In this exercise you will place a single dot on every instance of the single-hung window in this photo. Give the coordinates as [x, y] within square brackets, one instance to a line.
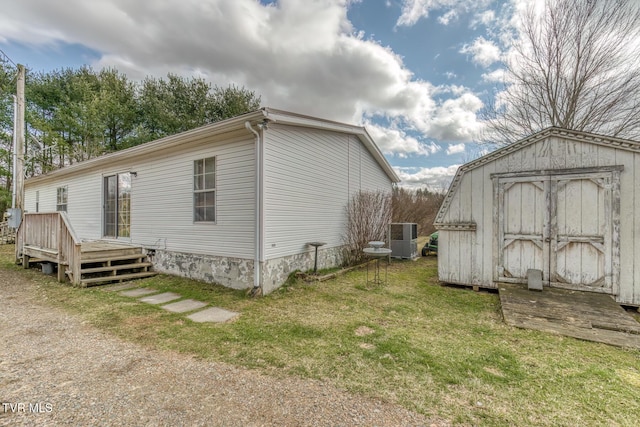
[61, 199]
[204, 190]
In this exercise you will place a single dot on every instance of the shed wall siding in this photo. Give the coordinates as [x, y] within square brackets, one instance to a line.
[474, 198]
[309, 177]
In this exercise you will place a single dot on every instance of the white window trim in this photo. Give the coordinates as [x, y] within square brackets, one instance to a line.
[66, 202]
[206, 190]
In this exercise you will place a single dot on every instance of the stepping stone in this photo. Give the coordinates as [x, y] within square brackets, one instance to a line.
[118, 287]
[160, 298]
[213, 314]
[184, 306]
[138, 292]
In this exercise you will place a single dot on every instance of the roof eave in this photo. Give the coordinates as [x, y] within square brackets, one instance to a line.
[167, 142]
[228, 125]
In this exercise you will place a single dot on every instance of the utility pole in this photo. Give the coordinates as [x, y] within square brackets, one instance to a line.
[17, 199]
[19, 130]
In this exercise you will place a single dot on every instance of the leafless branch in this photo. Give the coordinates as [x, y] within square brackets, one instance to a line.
[368, 218]
[573, 66]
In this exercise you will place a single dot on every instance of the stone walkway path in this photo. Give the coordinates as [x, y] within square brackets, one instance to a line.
[173, 302]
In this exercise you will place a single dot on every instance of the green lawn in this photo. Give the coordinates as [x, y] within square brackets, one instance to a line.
[441, 351]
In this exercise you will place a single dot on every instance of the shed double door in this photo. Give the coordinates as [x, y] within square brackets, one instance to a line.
[560, 224]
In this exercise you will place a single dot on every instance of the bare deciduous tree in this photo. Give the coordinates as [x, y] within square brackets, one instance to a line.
[573, 65]
[368, 218]
[417, 206]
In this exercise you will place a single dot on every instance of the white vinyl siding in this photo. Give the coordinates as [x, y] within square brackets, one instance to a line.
[309, 177]
[83, 201]
[162, 198]
[162, 201]
[372, 177]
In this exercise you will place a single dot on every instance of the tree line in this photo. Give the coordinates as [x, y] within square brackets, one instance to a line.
[76, 114]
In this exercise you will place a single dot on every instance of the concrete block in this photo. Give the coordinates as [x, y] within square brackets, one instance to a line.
[138, 292]
[160, 298]
[534, 279]
[184, 306]
[213, 314]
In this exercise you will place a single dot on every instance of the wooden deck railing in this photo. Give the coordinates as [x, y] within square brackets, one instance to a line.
[49, 236]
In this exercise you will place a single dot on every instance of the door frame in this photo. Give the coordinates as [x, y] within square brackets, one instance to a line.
[117, 205]
[611, 174]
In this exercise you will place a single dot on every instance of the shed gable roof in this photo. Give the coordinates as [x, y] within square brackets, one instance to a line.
[228, 125]
[572, 135]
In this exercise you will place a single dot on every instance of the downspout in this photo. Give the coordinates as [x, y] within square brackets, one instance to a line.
[258, 230]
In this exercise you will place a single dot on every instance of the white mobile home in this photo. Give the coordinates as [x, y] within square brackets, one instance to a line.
[563, 202]
[234, 202]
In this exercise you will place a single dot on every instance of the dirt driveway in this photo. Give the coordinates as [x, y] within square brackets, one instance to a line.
[55, 370]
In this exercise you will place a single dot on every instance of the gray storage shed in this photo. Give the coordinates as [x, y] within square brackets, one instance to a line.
[561, 201]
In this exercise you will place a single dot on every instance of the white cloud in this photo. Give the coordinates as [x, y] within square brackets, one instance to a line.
[448, 17]
[456, 119]
[437, 178]
[396, 142]
[495, 76]
[483, 52]
[298, 55]
[485, 18]
[414, 10]
[455, 149]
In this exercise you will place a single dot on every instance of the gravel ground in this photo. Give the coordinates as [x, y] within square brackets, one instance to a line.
[55, 370]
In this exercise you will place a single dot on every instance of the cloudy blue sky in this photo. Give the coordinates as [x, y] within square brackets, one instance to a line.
[416, 73]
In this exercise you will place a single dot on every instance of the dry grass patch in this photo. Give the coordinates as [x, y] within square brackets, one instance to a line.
[364, 331]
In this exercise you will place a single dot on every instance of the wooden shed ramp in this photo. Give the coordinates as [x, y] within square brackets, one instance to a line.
[584, 315]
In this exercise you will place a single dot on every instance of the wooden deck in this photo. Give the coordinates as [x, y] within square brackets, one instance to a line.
[47, 237]
[100, 262]
[584, 315]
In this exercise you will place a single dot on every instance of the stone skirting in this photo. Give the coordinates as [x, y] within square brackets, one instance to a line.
[276, 271]
[237, 273]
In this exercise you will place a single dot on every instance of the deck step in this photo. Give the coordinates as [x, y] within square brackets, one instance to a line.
[110, 253]
[113, 258]
[123, 277]
[115, 267]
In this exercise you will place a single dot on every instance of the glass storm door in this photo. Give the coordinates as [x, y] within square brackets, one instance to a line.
[117, 205]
